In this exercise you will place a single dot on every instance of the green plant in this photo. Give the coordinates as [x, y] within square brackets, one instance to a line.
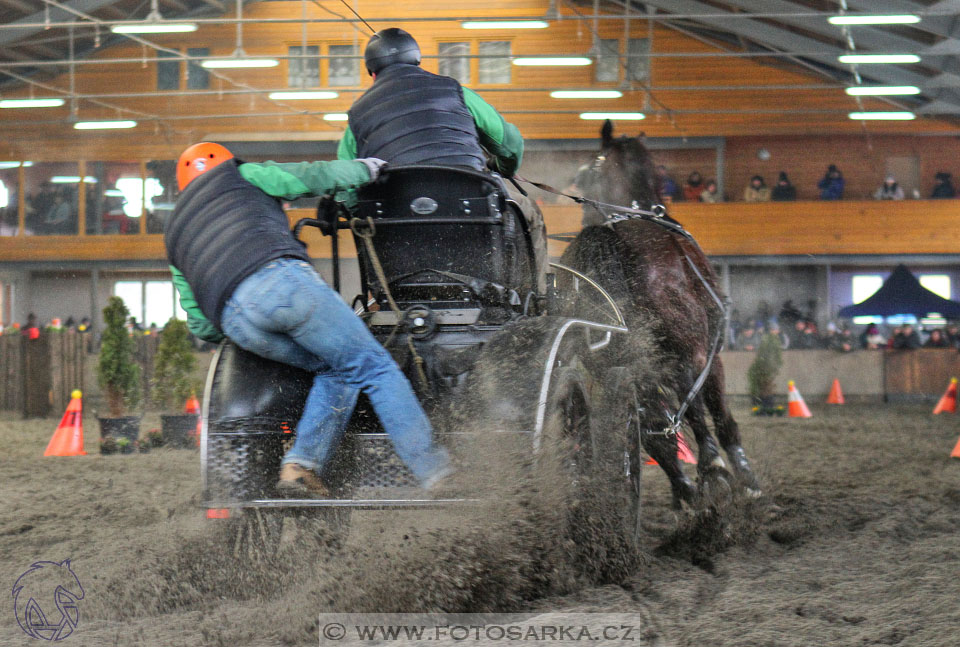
[173, 365]
[117, 371]
[155, 438]
[762, 374]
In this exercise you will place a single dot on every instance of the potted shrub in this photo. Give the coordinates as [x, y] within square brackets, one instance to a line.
[172, 383]
[762, 375]
[118, 374]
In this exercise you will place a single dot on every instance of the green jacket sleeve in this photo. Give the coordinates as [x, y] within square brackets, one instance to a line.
[347, 148]
[499, 137]
[197, 324]
[301, 179]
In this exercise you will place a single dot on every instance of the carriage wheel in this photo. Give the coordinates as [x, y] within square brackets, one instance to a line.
[569, 428]
[622, 433]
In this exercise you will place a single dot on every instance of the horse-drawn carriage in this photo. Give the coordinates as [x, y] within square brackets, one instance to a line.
[447, 283]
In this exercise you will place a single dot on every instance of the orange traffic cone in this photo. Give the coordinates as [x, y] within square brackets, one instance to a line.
[193, 406]
[836, 393]
[956, 450]
[68, 438]
[684, 453]
[948, 403]
[796, 407]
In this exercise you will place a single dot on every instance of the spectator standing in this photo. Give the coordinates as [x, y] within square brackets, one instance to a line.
[871, 338]
[953, 334]
[711, 193]
[668, 188]
[889, 190]
[757, 190]
[748, 339]
[937, 340]
[831, 186]
[943, 187]
[784, 191]
[908, 339]
[843, 341]
[694, 187]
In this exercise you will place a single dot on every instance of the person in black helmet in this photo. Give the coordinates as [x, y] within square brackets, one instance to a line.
[411, 116]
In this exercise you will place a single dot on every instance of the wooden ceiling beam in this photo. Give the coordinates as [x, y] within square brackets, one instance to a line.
[20, 5]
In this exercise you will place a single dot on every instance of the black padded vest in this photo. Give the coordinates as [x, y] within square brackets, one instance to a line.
[222, 230]
[411, 116]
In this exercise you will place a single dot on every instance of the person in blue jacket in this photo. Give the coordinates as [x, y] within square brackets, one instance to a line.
[241, 273]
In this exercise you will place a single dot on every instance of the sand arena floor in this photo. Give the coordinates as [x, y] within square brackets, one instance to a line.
[856, 542]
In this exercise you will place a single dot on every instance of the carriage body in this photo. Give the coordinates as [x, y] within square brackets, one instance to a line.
[453, 252]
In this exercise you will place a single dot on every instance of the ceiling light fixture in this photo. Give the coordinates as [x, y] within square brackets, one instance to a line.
[8, 165]
[103, 125]
[586, 94]
[882, 116]
[613, 116]
[306, 94]
[504, 24]
[882, 90]
[336, 116]
[153, 24]
[238, 59]
[72, 179]
[31, 103]
[905, 19]
[879, 58]
[552, 60]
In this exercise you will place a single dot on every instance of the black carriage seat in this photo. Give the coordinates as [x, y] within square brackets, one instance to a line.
[440, 229]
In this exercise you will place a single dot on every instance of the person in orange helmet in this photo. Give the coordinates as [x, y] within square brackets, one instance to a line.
[242, 274]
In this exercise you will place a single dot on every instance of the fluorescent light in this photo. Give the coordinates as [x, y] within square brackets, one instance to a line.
[72, 179]
[883, 116]
[114, 193]
[586, 94]
[8, 165]
[552, 60]
[882, 90]
[906, 19]
[99, 125]
[613, 116]
[336, 116]
[879, 58]
[154, 28]
[313, 94]
[31, 103]
[504, 24]
[237, 62]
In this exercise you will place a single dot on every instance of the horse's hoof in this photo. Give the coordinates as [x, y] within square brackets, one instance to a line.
[753, 493]
[715, 486]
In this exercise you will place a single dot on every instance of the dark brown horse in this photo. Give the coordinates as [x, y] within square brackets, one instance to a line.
[662, 280]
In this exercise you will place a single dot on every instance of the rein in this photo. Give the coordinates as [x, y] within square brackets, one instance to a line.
[613, 213]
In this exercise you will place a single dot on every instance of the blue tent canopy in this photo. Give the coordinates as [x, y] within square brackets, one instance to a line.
[902, 294]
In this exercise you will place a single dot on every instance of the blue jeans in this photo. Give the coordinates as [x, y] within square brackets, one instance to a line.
[285, 312]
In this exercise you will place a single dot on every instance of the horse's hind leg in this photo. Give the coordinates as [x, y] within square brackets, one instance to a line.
[663, 449]
[728, 432]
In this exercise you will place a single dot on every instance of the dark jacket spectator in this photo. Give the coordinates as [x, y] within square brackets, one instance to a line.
[694, 187]
[889, 190]
[843, 341]
[784, 191]
[831, 186]
[943, 187]
[907, 339]
[871, 338]
[757, 190]
[748, 339]
[953, 335]
[937, 340]
[711, 193]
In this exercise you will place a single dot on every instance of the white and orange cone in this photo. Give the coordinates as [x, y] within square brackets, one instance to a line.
[796, 407]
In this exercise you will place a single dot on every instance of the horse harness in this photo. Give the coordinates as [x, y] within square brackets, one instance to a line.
[612, 214]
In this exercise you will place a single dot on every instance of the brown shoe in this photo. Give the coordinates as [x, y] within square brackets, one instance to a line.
[298, 480]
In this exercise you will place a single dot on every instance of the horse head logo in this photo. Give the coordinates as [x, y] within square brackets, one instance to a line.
[55, 586]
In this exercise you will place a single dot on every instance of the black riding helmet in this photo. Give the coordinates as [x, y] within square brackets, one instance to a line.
[389, 46]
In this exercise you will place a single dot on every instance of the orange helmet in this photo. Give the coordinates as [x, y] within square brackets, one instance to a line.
[198, 159]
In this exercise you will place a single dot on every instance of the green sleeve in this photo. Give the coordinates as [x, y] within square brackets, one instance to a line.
[347, 149]
[499, 137]
[197, 324]
[299, 179]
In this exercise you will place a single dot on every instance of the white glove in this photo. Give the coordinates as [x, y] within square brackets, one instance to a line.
[374, 165]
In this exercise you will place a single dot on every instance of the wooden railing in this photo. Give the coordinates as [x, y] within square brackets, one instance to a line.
[730, 229]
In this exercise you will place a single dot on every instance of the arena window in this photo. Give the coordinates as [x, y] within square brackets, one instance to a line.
[939, 284]
[607, 68]
[494, 66]
[638, 61]
[303, 72]
[168, 72]
[344, 67]
[454, 61]
[198, 78]
[149, 302]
